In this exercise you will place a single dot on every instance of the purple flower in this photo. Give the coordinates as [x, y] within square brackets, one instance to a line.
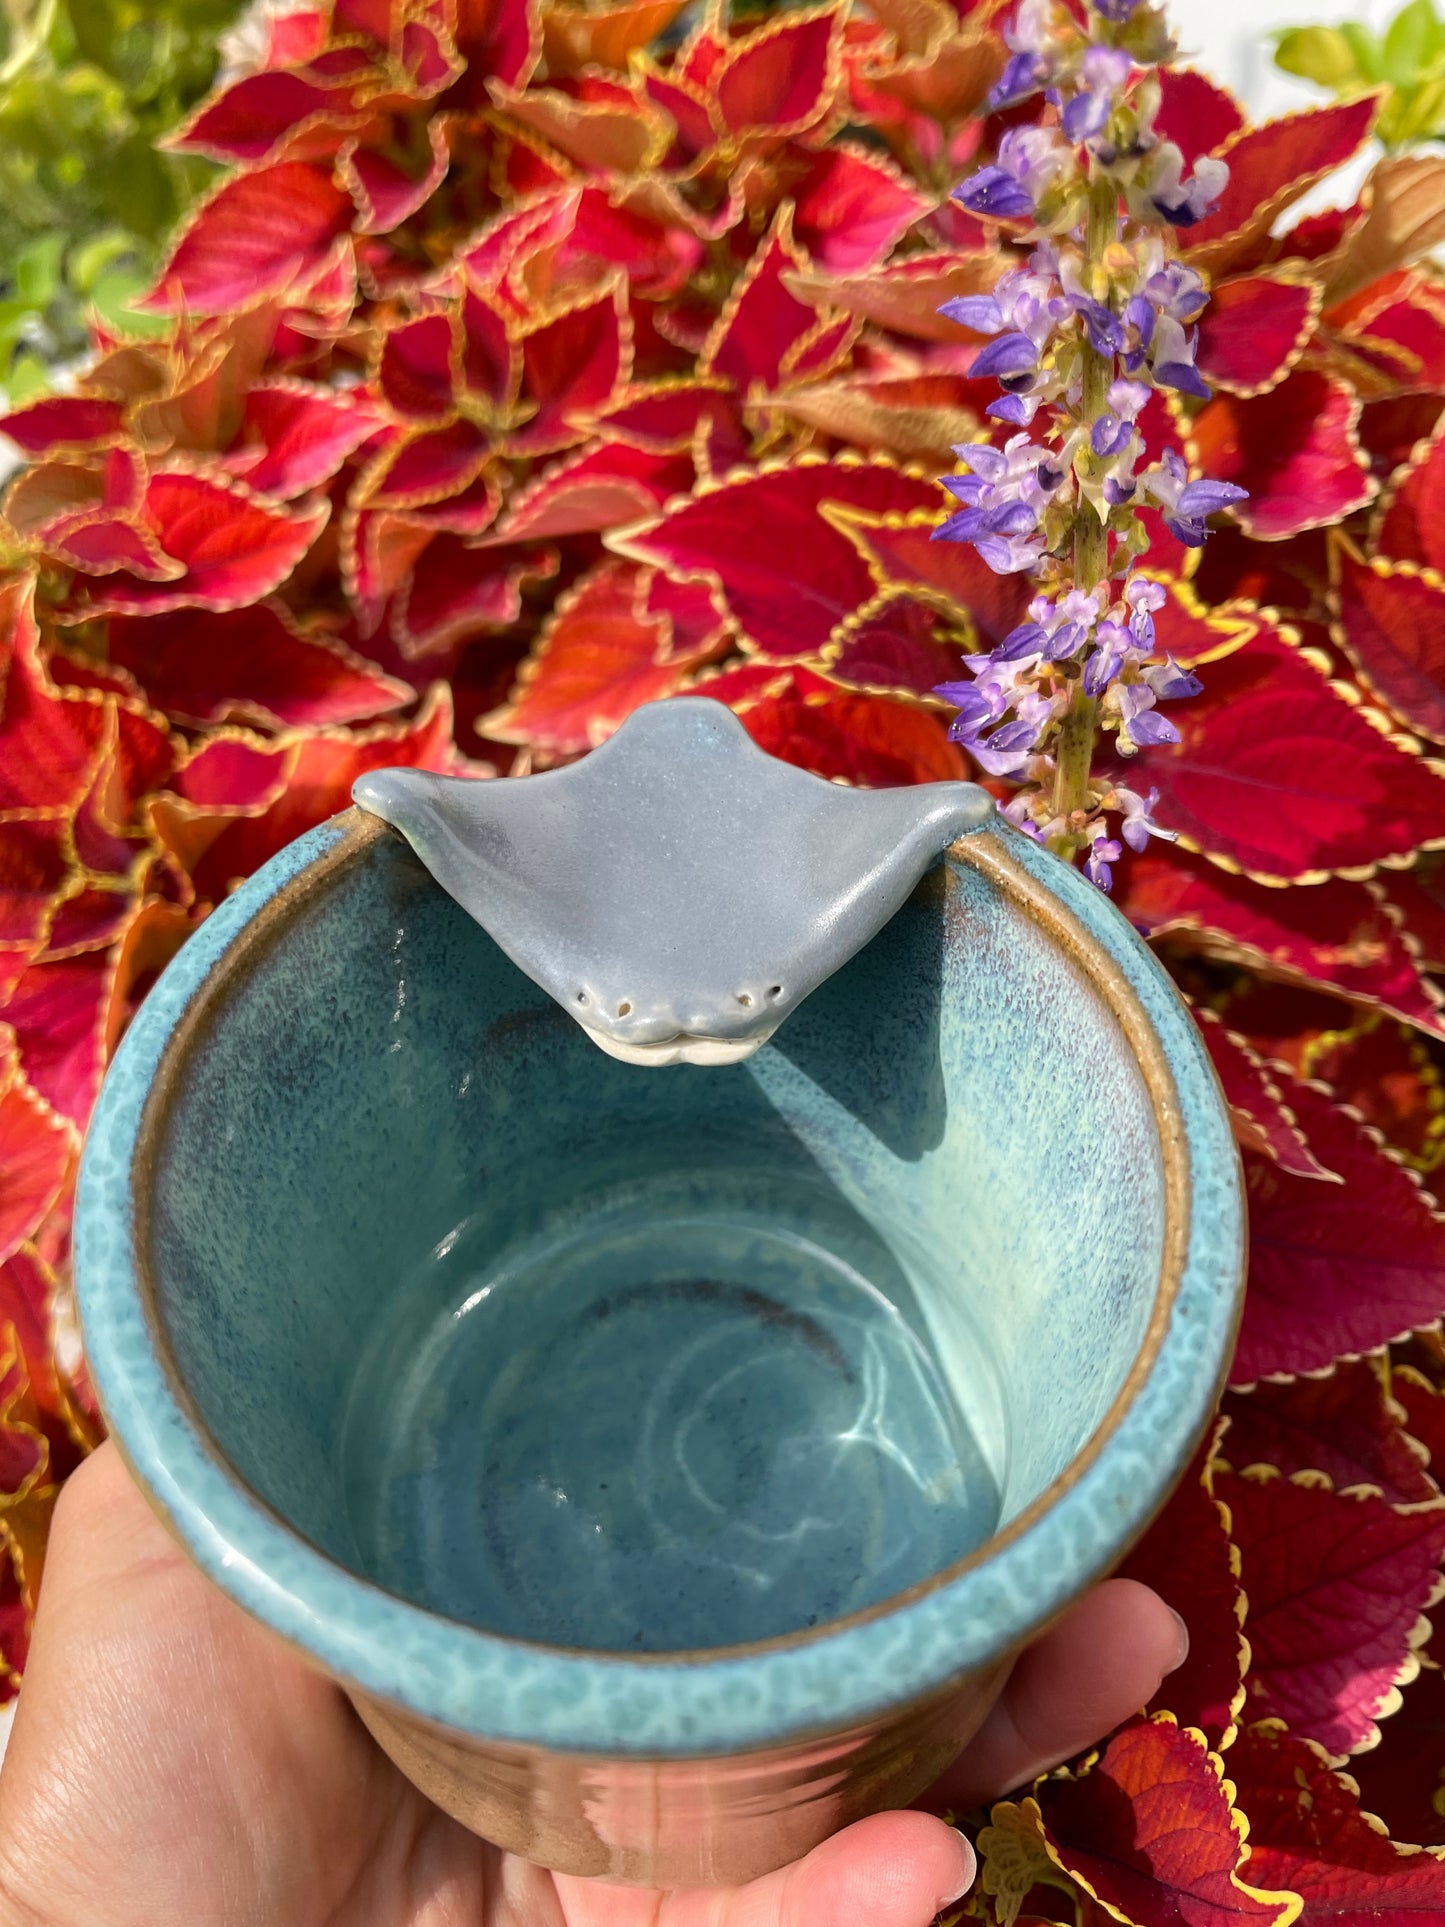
[1006, 355]
[1106, 337]
[1187, 505]
[1172, 359]
[1103, 852]
[1024, 75]
[1134, 703]
[1138, 823]
[1114, 644]
[1102, 74]
[993, 190]
[1169, 682]
[1029, 158]
[1177, 291]
[1017, 409]
[1116, 10]
[1142, 598]
[1184, 202]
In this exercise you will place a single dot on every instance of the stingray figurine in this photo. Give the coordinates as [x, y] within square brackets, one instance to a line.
[678, 891]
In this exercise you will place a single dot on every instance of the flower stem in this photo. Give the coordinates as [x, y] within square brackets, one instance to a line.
[1075, 753]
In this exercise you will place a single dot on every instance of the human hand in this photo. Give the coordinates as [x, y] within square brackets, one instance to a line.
[173, 1764]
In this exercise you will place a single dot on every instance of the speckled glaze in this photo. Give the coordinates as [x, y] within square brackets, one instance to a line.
[341, 1069]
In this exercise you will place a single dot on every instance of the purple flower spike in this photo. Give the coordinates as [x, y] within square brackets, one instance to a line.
[1106, 337]
[1010, 354]
[980, 312]
[1023, 75]
[1150, 729]
[993, 190]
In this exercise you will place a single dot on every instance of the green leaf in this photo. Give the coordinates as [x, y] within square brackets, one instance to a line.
[1364, 47]
[1320, 54]
[36, 269]
[1411, 43]
[90, 259]
[28, 378]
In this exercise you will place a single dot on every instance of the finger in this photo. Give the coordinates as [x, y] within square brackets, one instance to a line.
[894, 1870]
[1103, 1660]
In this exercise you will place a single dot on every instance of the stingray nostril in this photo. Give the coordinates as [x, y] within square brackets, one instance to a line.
[775, 990]
[581, 996]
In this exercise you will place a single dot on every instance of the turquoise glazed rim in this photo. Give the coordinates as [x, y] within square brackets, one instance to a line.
[733, 1699]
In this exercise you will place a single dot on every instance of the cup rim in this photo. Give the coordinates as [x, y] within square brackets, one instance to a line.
[678, 1704]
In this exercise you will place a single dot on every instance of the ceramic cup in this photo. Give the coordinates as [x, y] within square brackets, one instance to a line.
[668, 1463]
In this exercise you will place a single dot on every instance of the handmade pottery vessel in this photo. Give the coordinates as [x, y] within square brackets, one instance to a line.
[668, 1464]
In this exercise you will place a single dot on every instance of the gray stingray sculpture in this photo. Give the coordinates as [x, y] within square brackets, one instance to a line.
[678, 891]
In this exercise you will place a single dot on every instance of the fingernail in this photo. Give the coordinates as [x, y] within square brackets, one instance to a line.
[967, 1868]
[1183, 1640]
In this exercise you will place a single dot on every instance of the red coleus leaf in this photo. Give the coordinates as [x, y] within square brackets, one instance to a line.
[837, 733]
[33, 869]
[59, 1013]
[784, 572]
[1336, 1583]
[1307, 1832]
[233, 547]
[900, 553]
[1345, 1425]
[36, 1151]
[1187, 1557]
[852, 207]
[252, 119]
[1263, 1121]
[1401, 340]
[1255, 329]
[1410, 521]
[1402, 1784]
[604, 36]
[601, 653]
[906, 296]
[240, 800]
[1270, 166]
[600, 488]
[254, 664]
[1334, 1270]
[1195, 112]
[254, 235]
[1419, 896]
[1390, 622]
[895, 645]
[782, 76]
[455, 591]
[1390, 1075]
[1423, 1410]
[574, 365]
[1295, 449]
[384, 192]
[1148, 1831]
[295, 435]
[62, 422]
[761, 320]
[47, 739]
[1336, 934]
[1257, 779]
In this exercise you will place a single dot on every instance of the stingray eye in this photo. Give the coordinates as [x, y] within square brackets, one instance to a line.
[624, 1009]
[581, 996]
[745, 999]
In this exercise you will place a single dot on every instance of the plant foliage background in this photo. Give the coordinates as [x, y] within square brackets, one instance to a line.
[529, 360]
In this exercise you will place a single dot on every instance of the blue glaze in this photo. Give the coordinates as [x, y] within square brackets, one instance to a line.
[952, 1121]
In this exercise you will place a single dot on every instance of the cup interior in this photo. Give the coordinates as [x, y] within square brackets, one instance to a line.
[647, 1360]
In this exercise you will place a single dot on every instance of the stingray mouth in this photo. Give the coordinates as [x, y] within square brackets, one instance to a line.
[685, 1047]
